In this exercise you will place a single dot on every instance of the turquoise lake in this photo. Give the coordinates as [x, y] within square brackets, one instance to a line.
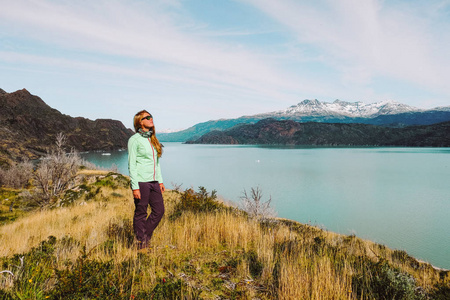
[399, 197]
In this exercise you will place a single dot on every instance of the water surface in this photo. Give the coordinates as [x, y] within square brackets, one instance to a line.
[399, 197]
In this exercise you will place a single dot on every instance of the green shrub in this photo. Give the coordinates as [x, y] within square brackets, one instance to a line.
[216, 283]
[113, 180]
[441, 292]
[286, 247]
[10, 201]
[200, 201]
[319, 245]
[93, 279]
[255, 266]
[268, 225]
[107, 182]
[8, 194]
[4, 295]
[233, 263]
[403, 257]
[33, 271]
[92, 193]
[169, 289]
[71, 196]
[381, 281]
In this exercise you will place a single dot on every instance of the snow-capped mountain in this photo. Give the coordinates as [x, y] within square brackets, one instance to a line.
[338, 108]
[384, 113]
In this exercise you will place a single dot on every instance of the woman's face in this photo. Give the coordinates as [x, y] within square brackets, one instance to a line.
[147, 121]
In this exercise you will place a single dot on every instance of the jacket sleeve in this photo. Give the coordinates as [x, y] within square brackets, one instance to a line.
[159, 177]
[132, 163]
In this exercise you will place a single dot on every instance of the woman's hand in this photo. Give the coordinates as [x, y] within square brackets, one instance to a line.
[163, 188]
[136, 194]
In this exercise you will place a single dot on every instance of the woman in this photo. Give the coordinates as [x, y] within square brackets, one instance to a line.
[144, 152]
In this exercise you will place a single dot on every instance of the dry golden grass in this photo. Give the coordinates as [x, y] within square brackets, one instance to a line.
[85, 222]
[93, 172]
[298, 261]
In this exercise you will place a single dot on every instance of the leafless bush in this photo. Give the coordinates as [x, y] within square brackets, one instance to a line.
[114, 168]
[17, 176]
[255, 207]
[55, 173]
[176, 186]
[88, 165]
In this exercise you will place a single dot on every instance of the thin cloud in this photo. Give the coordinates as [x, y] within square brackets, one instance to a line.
[371, 37]
[140, 32]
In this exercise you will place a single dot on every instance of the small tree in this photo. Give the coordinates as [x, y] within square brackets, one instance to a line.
[255, 207]
[56, 172]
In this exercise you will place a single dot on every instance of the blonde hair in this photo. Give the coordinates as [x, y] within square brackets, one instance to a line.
[137, 122]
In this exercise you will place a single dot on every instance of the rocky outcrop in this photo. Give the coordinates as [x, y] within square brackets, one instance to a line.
[28, 128]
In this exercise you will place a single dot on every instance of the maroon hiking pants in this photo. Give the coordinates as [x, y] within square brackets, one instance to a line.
[144, 226]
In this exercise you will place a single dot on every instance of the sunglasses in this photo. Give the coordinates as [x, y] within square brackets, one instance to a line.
[147, 117]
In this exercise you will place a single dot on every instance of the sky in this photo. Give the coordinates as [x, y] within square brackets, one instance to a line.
[190, 61]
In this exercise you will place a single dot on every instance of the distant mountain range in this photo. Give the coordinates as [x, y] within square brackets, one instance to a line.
[288, 132]
[28, 127]
[385, 113]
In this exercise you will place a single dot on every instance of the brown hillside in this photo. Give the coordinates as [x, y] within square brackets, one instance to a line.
[28, 127]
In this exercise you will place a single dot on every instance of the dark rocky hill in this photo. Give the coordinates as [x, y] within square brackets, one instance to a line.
[288, 132]
[28, 127]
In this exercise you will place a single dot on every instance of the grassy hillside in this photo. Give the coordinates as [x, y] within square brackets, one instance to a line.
[202, 249]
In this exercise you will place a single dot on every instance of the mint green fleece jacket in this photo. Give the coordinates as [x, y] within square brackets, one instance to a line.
[143, 161]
